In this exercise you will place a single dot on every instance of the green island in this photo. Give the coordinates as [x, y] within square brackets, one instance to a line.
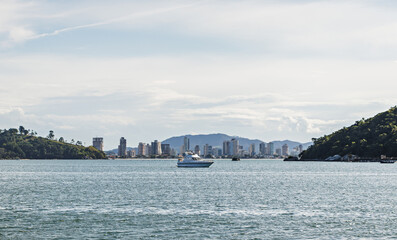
[366, 139]
[25, 144]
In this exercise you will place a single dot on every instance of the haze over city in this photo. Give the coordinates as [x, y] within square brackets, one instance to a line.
[268, 70]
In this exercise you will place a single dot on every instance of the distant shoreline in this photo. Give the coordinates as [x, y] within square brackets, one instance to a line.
[323, 160]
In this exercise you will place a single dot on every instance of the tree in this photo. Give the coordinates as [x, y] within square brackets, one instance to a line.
[79, 143]
[13, 131]
[21, 130]
[51, 135]
[61, 140]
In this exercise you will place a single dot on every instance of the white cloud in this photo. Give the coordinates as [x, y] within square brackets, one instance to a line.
[292, 70]
[331, 27]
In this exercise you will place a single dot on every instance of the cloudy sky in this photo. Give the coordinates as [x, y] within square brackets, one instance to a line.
[146, 70]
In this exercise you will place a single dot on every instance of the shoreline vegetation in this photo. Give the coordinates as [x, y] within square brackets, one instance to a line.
[25, 144]
[368, 140]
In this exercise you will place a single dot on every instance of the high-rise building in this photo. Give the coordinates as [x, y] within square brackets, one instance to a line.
[182, 150]
[131, 153]
[186, 144]
[166, 149]
[284, 150]
[216, 152]
[252, 150]
[97, 142]
[262, 148]
[197, 150]
[156, 148]
[227, 148]
[123, 148]
[219, 152]
[148, 150]
[235, 147]
[270, 148]
[278, 151]
[141, 149]
[207, 150]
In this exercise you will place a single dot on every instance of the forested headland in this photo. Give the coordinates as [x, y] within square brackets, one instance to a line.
[25, 144]
[367, 138]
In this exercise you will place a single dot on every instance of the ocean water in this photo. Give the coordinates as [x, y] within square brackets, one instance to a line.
[152, 199]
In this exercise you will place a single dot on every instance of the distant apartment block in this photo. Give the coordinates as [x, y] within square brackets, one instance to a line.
[262, 148]
[285, 150]
[207, 150]
[278, 151]
[156, 148]
[97, 142]
[173, 152]
[122, 148]
[131, 153]
[217, 152]
[197, 150]
[141, 149]
[227, 148]
[252, 150]
[186, 144]
[182, 150]
[270, 148]
[166, 149]
[235, 147]
[148, 150]
[231, 147]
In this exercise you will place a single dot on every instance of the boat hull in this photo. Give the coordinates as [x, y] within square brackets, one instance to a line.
[388, 161]
[194, 164]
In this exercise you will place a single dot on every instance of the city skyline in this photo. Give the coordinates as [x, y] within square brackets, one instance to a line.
[149, 70]
[227, 148]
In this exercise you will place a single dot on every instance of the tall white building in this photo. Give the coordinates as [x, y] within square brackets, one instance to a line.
[148, 150]
[141, 149]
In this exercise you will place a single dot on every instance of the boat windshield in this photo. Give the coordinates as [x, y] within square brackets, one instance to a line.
[195, 158]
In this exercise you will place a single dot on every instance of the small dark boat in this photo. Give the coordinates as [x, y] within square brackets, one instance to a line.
[387, 161]
[235, 159]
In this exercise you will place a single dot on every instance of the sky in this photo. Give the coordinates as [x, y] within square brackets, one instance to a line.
[146, 70]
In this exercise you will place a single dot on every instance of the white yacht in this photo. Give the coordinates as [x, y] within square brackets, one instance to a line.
[193, 161]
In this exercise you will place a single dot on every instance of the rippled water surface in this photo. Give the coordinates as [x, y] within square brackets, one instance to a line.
[250, 199]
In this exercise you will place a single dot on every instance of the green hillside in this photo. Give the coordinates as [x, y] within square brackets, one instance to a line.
[366, 138]
[24, 144]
